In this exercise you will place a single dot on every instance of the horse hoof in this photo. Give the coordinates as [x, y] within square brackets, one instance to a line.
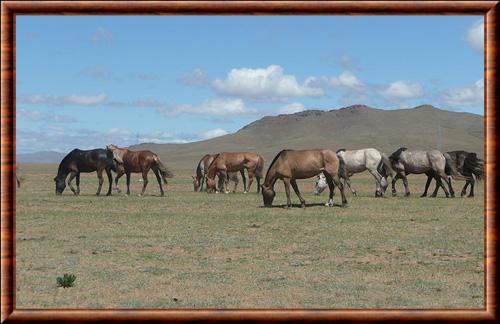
[303, 205]
[422, 196]
[227, 192]
[108, 194]
[394, 194]
[407, 194]
[355, 194]
[245, 192]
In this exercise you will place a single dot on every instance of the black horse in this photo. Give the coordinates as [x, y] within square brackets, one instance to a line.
[465, 163]
[84, 161]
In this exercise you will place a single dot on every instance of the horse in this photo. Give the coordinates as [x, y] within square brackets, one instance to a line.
[233, 162]
[290, 165]
[358, 161]
[432, 163]
[462, 162]
[139, 162]
[78, 161]
[201, 171]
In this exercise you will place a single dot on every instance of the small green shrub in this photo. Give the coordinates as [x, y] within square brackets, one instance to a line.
[67, 280]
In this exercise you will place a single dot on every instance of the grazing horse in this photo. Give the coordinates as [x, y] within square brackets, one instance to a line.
[358, 161]
[462, 162]
[406, 162]
[233, 162]
[78, 161]
[202, 169]
[290, 165]
[139, 162]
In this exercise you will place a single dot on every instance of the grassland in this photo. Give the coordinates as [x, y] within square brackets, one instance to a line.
[195, 250]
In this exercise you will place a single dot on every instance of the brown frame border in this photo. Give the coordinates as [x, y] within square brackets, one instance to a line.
[9, 9]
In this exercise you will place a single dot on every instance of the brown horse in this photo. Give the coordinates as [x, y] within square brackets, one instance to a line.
[138, 161]
[290, 165]
[233, 162]
[201, 171]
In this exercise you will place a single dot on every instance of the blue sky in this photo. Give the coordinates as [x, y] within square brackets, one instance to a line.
[86, 81]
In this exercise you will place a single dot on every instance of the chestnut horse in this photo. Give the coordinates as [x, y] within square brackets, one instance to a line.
[290, 165]
[201, 171]
[233, 162]
[138, 161]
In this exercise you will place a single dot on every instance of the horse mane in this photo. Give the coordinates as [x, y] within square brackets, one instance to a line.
[66, 159]
[340, 150]
[395, 156]
[274, 160]
[215, 158]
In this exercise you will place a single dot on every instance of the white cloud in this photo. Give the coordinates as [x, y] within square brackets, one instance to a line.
[97, 72]
[144, 76]
[81, 100]
[214, 133]
[345, 80]
[268, 83]
[196, 77]
[398, 90]
[475, 35]
[467, 96]
[101, 34]
[40, 116]
[218, 107]
[292, 108]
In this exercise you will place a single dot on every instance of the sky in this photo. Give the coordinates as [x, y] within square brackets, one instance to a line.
[87, 81]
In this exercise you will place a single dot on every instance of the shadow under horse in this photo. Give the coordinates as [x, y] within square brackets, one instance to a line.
[78, 161]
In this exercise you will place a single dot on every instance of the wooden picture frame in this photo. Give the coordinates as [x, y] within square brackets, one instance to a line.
[11, 9]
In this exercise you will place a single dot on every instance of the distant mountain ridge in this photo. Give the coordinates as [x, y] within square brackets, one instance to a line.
[354, 127]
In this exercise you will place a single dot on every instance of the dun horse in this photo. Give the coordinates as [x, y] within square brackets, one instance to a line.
[139, 162]
[358, 161]
[233, 162]
[201, 172]
[431, 163]
[462, 162]
[290, 165]
[78, 161]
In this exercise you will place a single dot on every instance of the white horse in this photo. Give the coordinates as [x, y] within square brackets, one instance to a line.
[358, 161]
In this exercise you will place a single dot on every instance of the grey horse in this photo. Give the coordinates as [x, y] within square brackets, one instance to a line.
[432, 163]
[357, 161]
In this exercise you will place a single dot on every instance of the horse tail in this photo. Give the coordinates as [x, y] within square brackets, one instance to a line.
[260, 167]
[474, 165]
[110, 160]
[385, 167]
[451, 170]
[165, 173]
[343, 173]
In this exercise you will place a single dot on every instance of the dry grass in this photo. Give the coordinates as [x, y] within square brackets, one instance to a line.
[191, 249]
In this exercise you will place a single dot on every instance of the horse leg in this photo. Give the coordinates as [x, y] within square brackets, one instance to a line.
[286, 182]
[297, 192]
[464, 189]
[393, 183]
[331, 188]
[101, 181]
[250, 180]
[471, 194]
[128, 183]
[202, 181]
[71, 177]
[427, 184]
[258, 183]
[347, 181]
[144, 181]
[405, 182]
[443, 176]
[158, 178]
[378, 182]
[77, 183]
[244, 180]
[235, 180]
[118, 176]
[110, 180]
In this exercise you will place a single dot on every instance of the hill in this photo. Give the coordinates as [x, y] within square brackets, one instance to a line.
[423, 127]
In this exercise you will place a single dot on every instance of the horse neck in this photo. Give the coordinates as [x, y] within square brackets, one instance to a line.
[62, 171]
[271, 176]
[211, 171]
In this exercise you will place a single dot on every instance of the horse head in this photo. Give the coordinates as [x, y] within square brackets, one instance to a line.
[210, 184]
[196, 183]
[268, 194]
[320, 184]
[60, 185]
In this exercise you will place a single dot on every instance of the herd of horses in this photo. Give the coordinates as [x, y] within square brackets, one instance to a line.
[331, 169]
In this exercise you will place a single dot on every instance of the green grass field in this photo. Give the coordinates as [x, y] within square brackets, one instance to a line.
[195, 250]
